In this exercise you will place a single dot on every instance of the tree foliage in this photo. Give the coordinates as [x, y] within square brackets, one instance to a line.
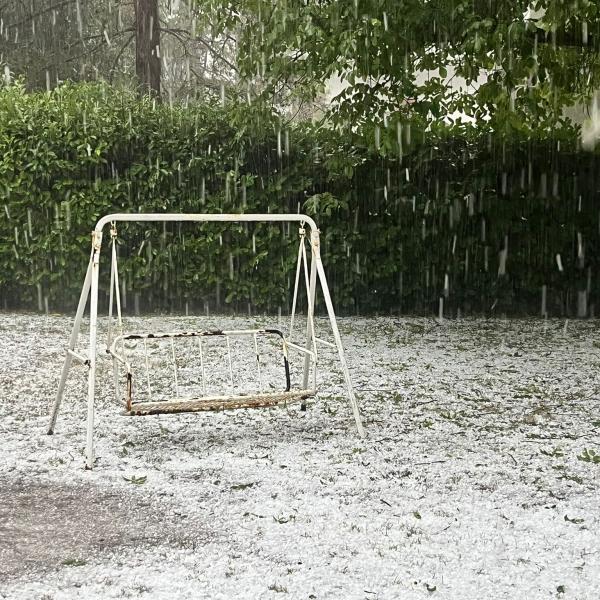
[513, 63]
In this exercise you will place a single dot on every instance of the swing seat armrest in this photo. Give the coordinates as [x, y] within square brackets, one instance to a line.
[301, 349]
[112, 350]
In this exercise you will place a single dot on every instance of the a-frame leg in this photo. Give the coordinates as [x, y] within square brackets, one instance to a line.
[95, 267]
[114, 296]
[337, 338]
[85, 291]
[310, 326]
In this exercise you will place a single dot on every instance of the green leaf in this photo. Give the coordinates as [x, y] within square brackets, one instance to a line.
[74, 562]
[136, 480]
[590, 456]
[575, 520]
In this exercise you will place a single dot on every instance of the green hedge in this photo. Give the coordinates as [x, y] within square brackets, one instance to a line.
[82, 151]
[393, 227]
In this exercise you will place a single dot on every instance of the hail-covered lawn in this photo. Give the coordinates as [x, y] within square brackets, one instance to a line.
[479, 476]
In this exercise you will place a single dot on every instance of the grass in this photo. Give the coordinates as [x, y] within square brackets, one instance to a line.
[74, 562]
[589, 456]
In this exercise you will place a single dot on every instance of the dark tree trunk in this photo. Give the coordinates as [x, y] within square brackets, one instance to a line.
[147, 46]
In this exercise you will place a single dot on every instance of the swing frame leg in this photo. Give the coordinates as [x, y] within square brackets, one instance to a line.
[114, 297]
[85, 290]
[312, 289]
[316, 267]
[340, 348]
[95, 268]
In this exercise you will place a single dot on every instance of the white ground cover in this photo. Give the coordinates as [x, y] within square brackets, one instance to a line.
[476, 480]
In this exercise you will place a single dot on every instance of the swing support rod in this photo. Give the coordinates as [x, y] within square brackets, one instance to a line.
[90, 289]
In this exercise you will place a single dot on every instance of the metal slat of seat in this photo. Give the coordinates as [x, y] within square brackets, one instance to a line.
[217, 403]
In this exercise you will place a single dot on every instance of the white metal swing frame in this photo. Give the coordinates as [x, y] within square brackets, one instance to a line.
[90, 290]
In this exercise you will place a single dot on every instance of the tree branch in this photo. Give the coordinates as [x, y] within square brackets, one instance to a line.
[179, 33]
[119, 54]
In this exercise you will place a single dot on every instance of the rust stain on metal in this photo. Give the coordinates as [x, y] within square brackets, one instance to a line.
[219, 403]
[204, 333]
[129, 390]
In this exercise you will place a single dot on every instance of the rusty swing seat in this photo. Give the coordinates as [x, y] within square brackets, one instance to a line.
[181, 404]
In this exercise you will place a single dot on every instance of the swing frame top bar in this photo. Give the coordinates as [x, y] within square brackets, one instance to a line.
[208, 218]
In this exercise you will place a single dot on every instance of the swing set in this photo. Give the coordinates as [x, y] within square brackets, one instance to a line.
[199, 400]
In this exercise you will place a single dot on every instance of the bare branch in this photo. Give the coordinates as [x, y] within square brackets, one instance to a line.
[180, 33]
[119, 54]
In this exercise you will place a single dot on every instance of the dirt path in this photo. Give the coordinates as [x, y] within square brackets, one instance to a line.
[46, 526]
